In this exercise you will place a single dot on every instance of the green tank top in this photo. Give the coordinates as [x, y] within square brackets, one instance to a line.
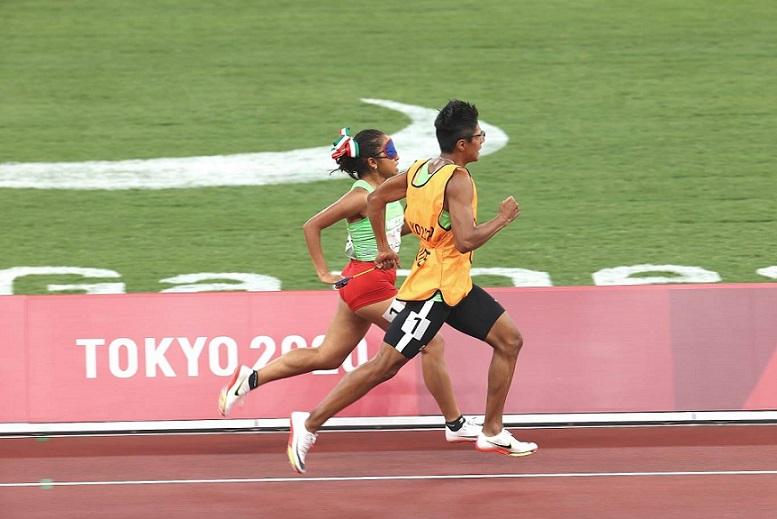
[361, 244]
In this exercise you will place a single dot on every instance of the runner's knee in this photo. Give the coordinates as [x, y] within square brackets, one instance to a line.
[328, 360]
[435, 347]
[389, 373]
[515, 342]
[509, 343]
[385, 366]
[331, 363]
[389, 369]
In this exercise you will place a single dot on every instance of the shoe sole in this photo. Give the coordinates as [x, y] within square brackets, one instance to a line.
[292, 462]
[505, 452]
[461, 439]
[291, 453]
[222, 402]
[222, 405]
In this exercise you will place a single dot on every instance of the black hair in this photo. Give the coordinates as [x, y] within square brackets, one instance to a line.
[370, 145]
[457, 120]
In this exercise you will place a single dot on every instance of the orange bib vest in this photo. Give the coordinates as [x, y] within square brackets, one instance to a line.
[438, 266]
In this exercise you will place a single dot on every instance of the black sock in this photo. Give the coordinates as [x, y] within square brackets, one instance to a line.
[253, 380]
[456, 424]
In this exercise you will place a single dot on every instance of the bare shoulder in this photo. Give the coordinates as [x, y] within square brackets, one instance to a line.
[460, 178]
[461, 170]
[459, 188]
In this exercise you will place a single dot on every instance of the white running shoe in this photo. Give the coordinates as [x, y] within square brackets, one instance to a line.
[468, 433]
[505, 443]
[236, 389]
[300, 441]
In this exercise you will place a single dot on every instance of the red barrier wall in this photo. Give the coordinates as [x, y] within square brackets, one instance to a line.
[13, 365]
[587, 349]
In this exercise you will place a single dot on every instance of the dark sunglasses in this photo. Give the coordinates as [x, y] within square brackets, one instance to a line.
[389, 150]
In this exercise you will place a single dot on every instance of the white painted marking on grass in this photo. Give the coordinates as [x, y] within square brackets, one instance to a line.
[768, 272]
[246, 169]
[302, 479]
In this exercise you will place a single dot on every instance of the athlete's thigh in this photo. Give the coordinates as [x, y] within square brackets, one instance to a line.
[344, 332]
[476, 314]
[415, 325]
[377, 313]
[504, 329]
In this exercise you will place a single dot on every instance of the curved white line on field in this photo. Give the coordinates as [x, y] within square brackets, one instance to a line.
[246, 169]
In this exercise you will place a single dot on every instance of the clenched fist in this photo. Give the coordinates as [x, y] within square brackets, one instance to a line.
[509, 209]
[386, 259]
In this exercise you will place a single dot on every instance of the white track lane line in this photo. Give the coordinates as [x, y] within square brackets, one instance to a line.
[50, 483]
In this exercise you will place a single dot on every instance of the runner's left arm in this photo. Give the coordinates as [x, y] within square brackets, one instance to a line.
[391, 190]
[349, 205]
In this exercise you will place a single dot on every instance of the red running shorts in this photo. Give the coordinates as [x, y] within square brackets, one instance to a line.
[372, 287]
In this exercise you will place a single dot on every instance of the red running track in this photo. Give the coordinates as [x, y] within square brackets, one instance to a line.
[637, 472]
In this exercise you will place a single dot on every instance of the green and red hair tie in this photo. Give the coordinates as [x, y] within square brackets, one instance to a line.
[345, 145]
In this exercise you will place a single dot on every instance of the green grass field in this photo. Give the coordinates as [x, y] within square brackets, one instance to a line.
[639, 132]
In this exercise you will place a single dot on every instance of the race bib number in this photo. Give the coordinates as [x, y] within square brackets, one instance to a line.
[393, 310]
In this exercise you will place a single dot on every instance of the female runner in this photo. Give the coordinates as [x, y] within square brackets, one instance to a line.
[366, 293]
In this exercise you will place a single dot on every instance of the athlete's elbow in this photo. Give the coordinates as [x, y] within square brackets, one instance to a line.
[463, 245]
[310, 227]
[374, 200]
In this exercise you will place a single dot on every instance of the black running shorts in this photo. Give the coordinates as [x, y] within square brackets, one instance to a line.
[414, 323]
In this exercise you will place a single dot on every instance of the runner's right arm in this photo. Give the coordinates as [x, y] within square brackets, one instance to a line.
[467, 234]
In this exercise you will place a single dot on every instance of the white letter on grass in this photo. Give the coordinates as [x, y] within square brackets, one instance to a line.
[685, 274]
[8, 276]
[246, 282]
